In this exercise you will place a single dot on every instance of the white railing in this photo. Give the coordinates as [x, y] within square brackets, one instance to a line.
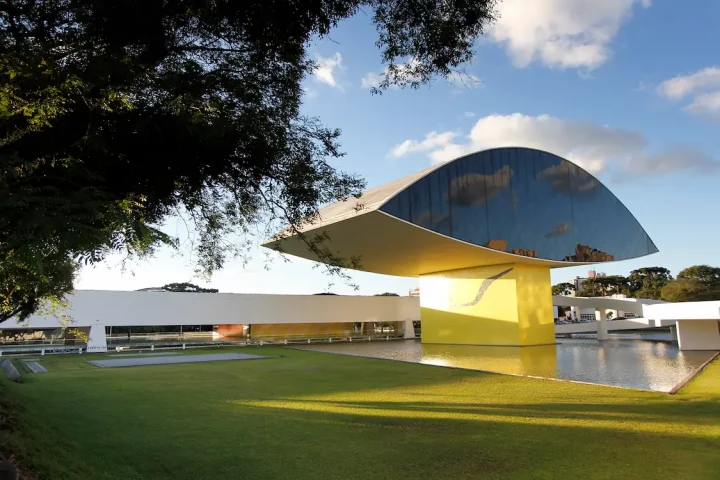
[167, 343]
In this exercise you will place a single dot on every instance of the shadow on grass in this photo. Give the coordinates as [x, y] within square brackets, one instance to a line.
[697, 413]
[515, 446]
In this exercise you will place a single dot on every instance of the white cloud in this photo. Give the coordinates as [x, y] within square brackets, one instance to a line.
[678, 87]
[560, 33]
[673, 159]
[594, 147]
[327, 69]
[468, 114]
[706, 103]
[371, 80]
[702, 86]
[432, 141]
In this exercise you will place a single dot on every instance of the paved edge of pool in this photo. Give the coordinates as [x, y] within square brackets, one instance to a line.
[174, 360]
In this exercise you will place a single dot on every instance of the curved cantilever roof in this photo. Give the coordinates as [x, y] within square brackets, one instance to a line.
[505, 205]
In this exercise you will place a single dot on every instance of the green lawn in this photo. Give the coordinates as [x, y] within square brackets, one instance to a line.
[306, 415]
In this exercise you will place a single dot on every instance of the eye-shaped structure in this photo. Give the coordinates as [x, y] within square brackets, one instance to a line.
[498, 206]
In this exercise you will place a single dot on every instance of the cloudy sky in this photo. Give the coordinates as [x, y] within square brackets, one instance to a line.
[627, 89]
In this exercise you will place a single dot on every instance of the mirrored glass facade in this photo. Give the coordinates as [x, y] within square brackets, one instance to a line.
[526, 202]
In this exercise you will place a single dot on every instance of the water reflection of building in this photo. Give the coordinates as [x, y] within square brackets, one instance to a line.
[539, 361]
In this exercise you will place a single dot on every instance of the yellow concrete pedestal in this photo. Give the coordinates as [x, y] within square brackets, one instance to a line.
[496, 305]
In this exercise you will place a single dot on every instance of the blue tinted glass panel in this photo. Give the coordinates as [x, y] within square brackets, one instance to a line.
[526, 202]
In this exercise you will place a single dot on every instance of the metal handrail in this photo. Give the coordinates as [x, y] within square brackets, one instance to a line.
[180, 344]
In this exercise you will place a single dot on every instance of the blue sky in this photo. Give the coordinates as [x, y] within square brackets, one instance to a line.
[628, 89]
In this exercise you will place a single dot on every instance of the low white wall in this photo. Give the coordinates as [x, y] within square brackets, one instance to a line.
[631, 305]
[612, 325]
[116, 308]
[683, 311]
[698, 335]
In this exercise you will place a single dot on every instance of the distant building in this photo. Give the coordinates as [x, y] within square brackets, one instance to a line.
[578, 282]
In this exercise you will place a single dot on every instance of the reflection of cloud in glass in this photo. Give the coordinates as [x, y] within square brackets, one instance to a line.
[475, 189]
[557, 230]
[562, 180]
[426, 218]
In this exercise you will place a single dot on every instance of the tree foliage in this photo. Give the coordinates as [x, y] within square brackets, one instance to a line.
[648, 282]
[641, 283]
[187, 287]
[705, 274]
[683, 290]
[694, 284]
[25, 287]
[563, 289]
[387, 294]
[604, 286]
[116, 114]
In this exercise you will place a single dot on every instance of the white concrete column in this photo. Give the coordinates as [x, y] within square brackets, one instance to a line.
[409, 329]
[698, 334]
[97, 343]
[602, 325]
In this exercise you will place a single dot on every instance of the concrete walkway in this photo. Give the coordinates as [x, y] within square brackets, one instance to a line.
[137, 362]
[155, 354]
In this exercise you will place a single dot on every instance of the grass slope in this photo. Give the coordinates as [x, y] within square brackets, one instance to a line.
[306, 415]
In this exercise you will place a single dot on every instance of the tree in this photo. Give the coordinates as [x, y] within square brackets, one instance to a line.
[563, 289]
[116, 114]
[604, 286]
[615, 285]
[387, 294]
[648, 282]
[591, 287]
[187, 287]
[694, 284]
[705, 274]
[25, 287]
[683, 290]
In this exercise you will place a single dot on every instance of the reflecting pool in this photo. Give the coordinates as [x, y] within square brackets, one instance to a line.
[643, 364]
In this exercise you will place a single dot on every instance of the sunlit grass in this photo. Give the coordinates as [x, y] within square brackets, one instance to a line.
[304, 415]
